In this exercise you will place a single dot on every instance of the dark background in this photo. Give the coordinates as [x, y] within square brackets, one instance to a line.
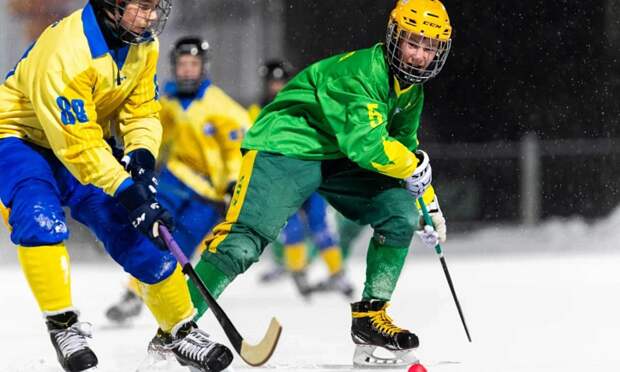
[529, 65]
[518, 67]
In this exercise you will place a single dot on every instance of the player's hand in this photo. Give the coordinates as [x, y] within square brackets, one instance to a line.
[432, 235]
[422, 176]
[145, 213]
[140, 164]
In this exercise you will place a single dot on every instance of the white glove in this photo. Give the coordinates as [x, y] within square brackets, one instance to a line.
[422, 176]
[431, 235]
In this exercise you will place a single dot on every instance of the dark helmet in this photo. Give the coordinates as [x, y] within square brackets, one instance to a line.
[112, 12]
[275, 70]
[194, 46]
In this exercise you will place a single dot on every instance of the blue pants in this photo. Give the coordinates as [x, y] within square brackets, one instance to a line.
[194, 216]
[311, 219]
[35, 186]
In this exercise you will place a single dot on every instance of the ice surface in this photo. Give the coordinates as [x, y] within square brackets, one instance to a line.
[551, 302]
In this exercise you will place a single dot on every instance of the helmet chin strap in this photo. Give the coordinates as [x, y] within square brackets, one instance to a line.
[109, 27]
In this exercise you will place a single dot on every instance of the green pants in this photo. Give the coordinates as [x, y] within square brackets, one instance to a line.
[272, 187]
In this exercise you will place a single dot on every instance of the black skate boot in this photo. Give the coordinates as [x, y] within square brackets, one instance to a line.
[129, 307]
[337, 282]
[272, 274]
[372, 328]
[161, 345]
[301, 283]
[159, 355]
[69, 339]
[193, 348]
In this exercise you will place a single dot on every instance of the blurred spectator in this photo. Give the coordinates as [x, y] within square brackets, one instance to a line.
[38, 14]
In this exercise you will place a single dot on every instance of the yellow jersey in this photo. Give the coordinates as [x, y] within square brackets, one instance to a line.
[70, 92]
[202, 137]
[254, 110]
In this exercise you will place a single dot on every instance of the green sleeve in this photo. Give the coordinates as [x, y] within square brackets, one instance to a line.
[406, 126]
[358, 118]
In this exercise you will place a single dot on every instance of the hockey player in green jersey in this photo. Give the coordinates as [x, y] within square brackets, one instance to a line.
[346, 127]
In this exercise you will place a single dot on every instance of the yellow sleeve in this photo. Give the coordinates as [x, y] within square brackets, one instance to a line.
[139, 116]
[232, 121]
[254, 111]
[61, 94]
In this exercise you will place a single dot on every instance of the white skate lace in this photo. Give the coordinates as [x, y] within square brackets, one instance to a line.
[73, 339]
[196, 345]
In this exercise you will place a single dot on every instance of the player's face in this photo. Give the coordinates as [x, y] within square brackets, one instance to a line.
[188, 67]
[275, 86]
[140, 15]
[417, 51]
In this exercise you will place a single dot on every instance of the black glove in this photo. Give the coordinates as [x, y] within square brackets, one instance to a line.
[140, 164]
[145, 213]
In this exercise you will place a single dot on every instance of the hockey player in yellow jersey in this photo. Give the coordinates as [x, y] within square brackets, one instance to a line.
[203, 129]
[87, 77]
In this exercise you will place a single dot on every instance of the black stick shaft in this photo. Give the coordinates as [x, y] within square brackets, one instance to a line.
[233, 335]
[428, 221]
[456, 300]
[229, 328]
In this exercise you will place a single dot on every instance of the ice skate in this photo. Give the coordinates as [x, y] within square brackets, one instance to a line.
[272, 274]
[375, 335]
[337, 282]
[193, 348]
[69, 339]
[301, 283]
[160, 347]
[129, 307]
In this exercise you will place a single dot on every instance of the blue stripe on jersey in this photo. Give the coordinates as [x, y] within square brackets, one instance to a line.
[96, 42]
[170, 89]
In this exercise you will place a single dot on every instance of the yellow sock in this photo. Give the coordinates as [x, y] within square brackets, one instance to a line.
[332, 257]
[47, 271]
[134, 286]
[168, 300]
[295, 257]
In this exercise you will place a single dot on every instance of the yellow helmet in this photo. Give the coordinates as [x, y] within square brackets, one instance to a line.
[423, 24]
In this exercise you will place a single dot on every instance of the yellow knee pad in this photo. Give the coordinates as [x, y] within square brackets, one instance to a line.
[295, 257]
[47, 271]
[168, 300]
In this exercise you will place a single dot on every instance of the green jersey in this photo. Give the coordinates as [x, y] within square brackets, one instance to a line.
[347, 105]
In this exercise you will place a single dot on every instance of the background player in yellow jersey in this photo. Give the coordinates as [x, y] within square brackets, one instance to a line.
[87, 76]
[313, 220]
[203, 129]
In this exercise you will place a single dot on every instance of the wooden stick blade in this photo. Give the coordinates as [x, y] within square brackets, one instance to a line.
[259, 354]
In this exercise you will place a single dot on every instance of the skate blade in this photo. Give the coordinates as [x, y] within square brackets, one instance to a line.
[155, 362]
[366, 356]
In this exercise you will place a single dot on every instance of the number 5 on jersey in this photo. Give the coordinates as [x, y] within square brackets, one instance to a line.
[71, 110]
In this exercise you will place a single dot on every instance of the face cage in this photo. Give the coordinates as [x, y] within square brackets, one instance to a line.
[406, 73]
[163, 9]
